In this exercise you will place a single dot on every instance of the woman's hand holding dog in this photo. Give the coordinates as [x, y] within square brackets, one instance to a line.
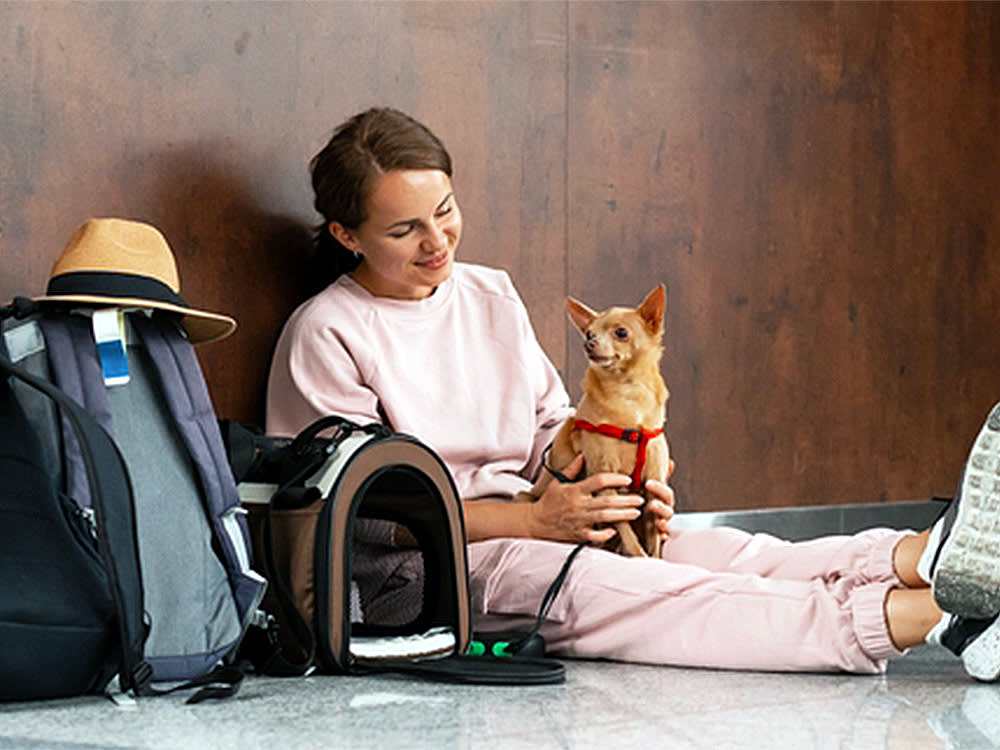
[569, 511]
[662, 505]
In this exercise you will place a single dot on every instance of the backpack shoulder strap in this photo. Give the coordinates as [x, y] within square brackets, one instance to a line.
[111, 500]
[190, 405]
[76, 370]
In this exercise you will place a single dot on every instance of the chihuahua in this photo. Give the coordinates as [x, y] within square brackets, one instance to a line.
[618, 426]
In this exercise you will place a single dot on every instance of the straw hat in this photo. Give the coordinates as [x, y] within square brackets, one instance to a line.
[121, 263]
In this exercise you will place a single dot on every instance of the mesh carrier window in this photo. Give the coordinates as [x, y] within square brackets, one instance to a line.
[400, 556]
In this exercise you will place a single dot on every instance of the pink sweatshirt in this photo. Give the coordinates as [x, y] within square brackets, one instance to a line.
[461, 371]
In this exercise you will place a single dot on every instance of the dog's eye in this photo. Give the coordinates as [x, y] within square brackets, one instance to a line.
[589, 335]
[621, 333]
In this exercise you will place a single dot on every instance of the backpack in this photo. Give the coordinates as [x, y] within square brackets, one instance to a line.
[362, 538]
[123, 532]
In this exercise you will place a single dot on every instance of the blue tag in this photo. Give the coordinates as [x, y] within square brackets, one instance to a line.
[114, 362]
[109, 334]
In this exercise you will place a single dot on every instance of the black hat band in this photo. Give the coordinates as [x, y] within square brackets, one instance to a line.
[104, 284]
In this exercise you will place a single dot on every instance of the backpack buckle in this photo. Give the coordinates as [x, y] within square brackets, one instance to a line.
[141, 675]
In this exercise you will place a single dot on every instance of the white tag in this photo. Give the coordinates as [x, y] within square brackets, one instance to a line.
[109, 335]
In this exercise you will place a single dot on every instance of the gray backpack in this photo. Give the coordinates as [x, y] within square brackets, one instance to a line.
[199, 591]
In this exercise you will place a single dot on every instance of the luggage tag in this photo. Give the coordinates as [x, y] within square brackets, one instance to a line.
[109, 335]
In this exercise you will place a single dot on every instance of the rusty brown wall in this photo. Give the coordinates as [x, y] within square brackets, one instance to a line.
[814, 182]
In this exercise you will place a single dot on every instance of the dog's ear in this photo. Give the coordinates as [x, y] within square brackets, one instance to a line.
[651, 309]
[581, 315]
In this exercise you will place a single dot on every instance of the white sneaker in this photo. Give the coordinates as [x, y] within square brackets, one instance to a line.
[977, 643]
[963, 553]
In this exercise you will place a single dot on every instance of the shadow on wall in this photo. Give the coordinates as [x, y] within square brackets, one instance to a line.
[235, 256]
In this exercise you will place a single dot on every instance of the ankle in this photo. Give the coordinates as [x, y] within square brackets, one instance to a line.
[911, 615]
[908, 560]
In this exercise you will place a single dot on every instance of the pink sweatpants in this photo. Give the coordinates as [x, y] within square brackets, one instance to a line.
[719, 598]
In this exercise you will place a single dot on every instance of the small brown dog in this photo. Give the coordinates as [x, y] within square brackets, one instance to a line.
[619, 422]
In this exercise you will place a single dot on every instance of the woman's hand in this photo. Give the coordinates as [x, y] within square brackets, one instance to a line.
[661, 504]
[568, 512]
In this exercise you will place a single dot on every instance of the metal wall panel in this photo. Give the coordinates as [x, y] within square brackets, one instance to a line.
[814, 182]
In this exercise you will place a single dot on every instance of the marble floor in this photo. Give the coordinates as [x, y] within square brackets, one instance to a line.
[923, 701]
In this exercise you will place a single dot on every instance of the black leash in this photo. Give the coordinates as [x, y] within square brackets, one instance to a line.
[553, 591]
[510, 642]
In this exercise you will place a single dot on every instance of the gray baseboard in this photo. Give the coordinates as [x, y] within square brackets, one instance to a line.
[808, 522]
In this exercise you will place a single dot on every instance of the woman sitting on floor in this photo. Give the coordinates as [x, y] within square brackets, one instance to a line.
[444, 351]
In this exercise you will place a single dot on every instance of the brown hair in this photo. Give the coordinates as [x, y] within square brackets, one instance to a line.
[369, 144]
[366, 146]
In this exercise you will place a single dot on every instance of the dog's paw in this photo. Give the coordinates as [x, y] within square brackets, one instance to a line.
[629, 542]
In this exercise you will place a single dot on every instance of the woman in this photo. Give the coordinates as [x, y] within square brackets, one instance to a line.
[445, 351]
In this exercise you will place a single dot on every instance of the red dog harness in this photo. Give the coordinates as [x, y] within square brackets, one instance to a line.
[639, 436]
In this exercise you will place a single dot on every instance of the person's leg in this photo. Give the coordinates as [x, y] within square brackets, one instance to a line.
[652, 611]
[910, 615]
[914, 618]
[871, 555]
[910, 612]
[906, 559]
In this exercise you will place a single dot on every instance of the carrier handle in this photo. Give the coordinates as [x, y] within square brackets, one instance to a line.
[310, 453]
[301, 444]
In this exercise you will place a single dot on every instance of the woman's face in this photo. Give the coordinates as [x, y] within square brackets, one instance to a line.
[408, 242]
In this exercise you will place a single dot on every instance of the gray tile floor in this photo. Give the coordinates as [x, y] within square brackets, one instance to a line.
[924, 701]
